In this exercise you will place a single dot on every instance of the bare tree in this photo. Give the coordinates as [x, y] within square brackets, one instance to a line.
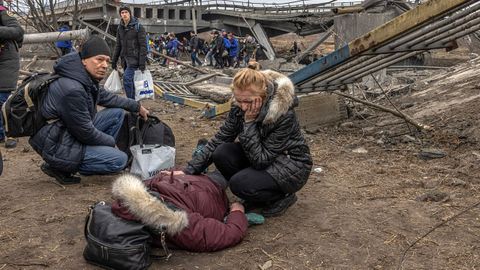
[46, 15]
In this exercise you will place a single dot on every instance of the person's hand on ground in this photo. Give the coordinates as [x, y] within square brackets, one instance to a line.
[253, 110]
[236, 206]
[143, 112]
[174, 172]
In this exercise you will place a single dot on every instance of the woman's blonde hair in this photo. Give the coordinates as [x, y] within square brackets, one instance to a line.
[251, 76]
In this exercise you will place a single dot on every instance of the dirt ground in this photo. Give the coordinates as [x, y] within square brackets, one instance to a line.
[373, 198]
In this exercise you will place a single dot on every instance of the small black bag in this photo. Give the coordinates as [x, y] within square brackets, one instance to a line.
[115, 243]
[135, 131]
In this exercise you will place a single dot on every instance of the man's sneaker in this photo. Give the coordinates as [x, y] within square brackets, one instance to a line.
[279, 207]
[252, 206]
[10, 143]
[63, 178]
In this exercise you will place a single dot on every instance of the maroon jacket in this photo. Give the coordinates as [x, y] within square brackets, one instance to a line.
[198, 225]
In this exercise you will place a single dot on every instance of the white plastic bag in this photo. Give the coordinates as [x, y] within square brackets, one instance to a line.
[149, 160]
[143, 82]
[113, 83]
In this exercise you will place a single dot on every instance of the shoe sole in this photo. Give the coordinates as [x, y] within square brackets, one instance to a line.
[276, 214]
[75, 180]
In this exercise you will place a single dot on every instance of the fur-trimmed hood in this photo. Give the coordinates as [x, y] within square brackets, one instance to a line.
[283, 97]
[133, 194]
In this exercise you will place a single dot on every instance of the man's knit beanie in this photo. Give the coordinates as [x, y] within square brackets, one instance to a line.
[94, 46]
[125, 7]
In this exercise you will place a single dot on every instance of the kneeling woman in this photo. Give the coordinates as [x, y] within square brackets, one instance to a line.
[270, 161]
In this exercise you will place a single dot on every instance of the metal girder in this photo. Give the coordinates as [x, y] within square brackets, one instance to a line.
[324, 63]
[428, 27]
[443, 27]
[403, 23]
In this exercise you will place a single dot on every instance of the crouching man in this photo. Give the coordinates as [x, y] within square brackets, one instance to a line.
[193, 209]
[77, 138]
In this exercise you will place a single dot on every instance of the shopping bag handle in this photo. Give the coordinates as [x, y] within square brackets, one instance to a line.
[140, 132]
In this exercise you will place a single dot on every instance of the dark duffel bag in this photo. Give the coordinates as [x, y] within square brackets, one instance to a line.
[136, 131]
[115, 243]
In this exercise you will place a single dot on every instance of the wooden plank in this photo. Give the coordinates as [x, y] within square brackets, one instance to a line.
[210, 110]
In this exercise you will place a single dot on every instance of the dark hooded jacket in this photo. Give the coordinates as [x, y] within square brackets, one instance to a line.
[193, 211]
[11, 37]
[131, 44]
[71, 105]
[273, 142]
[219, 44]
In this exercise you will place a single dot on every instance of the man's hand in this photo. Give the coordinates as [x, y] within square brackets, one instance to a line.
[236, 206]
[143, 112]
[253, 109]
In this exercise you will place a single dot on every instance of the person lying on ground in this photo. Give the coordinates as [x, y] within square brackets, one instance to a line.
[77, 138]
[271, 160]
[193, 209]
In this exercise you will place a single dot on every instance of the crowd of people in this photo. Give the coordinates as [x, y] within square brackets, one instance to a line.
[260, 152]
[222, 49]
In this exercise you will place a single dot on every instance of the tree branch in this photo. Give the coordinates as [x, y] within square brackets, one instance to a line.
[385, 109]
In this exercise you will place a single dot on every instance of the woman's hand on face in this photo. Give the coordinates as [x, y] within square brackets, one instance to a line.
[253, 109]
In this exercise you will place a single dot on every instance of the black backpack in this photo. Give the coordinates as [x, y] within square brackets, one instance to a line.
[21, 114]
[135, 131]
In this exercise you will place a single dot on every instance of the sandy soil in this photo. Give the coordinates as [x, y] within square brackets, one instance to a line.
[361, 212]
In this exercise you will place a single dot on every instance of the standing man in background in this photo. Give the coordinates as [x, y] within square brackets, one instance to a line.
[218, 49]
[11, 37]
[131, 46]
[194, 49]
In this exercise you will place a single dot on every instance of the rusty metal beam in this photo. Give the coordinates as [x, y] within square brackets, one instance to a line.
[403, 23]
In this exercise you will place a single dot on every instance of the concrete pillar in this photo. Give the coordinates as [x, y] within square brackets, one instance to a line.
[55, 36]
[348, 27]
[104, 9]
[263, 40]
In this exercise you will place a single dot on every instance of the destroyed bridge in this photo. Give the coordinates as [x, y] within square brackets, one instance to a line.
[262, 20]
[434, 24]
